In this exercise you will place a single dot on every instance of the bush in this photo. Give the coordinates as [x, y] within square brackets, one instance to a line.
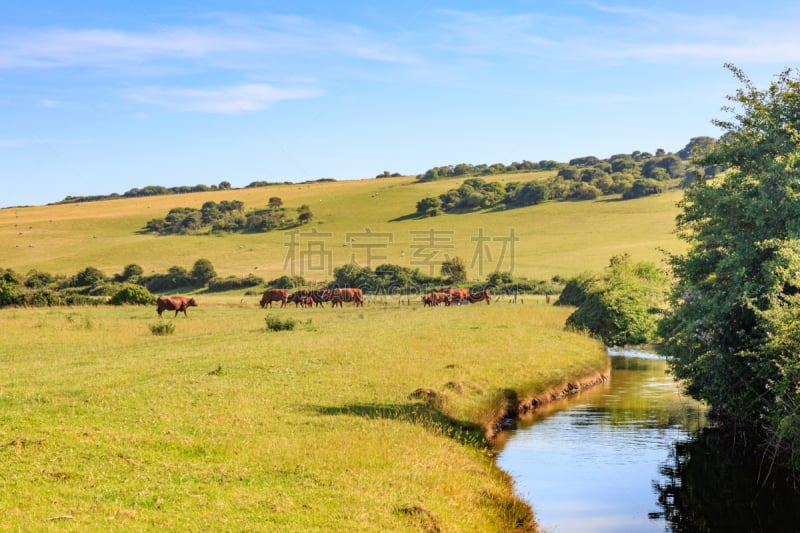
[133, 295]
[575, 290]
[162, 328]
[623, 306]
[43, 298]
[277, 324]
[232, 283]
[9, 294]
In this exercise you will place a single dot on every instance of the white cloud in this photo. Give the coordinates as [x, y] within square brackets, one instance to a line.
[622, 33]
[222, 100]
[244, 41]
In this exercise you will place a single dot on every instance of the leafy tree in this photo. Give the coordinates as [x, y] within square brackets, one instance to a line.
[10, 288]
[275, 202]
[131, 272]
[429, 206]
[202, 272]
[304, 214]
[732, 331]
[697, 147]
[641, 188]
[531, 193]
[36, 279]
[455, 270]
[88, 276]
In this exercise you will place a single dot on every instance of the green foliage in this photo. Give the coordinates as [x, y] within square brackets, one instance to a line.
[304, 214]
[576, 289]
[287, 282]
[88, 277]
[455, 270]
[233, 283]
[732, 330]
[227, 216]
[202, 272]
[642, 188]
[9, 293]
[133, 295]
[275, 323]
[622, 305]
[176, 277]
[163, 328]
[131, 273]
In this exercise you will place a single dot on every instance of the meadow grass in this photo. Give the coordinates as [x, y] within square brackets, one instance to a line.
[225, 425]
[554, 238]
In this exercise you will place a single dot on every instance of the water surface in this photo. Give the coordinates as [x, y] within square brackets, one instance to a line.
[593, 462]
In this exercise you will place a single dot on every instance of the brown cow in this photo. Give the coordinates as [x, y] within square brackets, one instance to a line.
[479, 296]
[340, 295]
[318, 296]
[274, 295]
[174, 303]
[434, 299]
[455, 295]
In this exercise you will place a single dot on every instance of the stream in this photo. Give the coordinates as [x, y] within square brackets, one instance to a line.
[635, 455]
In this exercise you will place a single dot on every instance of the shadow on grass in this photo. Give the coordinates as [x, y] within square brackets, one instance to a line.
[423, 414]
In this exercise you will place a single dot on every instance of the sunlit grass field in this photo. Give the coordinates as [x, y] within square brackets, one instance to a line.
[227, 426]
[555, 238]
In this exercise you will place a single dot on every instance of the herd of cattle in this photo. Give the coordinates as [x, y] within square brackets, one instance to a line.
[336, 297]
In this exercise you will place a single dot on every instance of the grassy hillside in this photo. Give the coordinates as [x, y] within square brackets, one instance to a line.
[556, 238]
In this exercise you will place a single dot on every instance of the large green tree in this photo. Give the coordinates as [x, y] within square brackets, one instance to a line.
[733, 333]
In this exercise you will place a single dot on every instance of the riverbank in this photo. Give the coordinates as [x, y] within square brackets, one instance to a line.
[514, 409]
[224, 425]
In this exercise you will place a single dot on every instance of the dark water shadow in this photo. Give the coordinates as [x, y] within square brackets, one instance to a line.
[423, 414]
[709, 484]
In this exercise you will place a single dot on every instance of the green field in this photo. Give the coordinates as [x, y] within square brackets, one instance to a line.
[555, 238]
[226, 426]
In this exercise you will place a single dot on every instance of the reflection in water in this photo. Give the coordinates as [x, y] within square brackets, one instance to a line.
[633, 454]
[707, 486]
[588, 463]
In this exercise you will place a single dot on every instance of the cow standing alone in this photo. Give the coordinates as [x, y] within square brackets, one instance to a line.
[174, 303]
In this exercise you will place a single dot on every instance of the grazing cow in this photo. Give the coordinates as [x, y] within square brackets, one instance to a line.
[274, 295]
[174, 303]
[307, 301]
[317, 296]
[340, 295]
[454, 295]
[480, 296]
[433, 299]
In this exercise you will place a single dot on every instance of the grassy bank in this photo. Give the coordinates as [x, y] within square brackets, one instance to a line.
[225, 426]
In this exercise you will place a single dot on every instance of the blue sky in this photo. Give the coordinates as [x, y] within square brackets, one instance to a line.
[97, 97]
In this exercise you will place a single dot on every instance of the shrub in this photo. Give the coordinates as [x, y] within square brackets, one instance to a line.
[162, 328]
[232, 283]
[133, 295]
[277, 324]
[43, 298]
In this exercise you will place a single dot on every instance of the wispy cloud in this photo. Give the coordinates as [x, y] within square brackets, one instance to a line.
[249, 40]
[222, 100]
[615, 33]
[6, 144]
